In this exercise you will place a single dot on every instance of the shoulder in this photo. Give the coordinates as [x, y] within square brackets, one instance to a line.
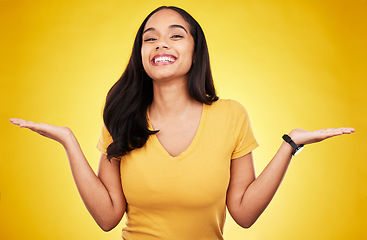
[229, 106]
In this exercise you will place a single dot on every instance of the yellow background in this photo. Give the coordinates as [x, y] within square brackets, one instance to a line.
[292, 64]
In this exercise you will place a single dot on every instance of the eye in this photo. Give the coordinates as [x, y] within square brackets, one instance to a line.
[176, 36]
[149, 40]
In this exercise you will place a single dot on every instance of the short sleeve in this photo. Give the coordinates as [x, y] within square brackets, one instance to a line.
[243, 135]
[104, 141]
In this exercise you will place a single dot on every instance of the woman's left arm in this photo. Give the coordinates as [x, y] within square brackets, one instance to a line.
[248, 196]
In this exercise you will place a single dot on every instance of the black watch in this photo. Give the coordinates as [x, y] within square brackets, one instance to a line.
[296, 148]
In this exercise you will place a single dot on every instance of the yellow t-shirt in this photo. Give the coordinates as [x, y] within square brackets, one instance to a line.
[184, 197]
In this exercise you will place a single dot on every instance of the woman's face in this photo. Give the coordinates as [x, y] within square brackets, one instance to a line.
[168, 47]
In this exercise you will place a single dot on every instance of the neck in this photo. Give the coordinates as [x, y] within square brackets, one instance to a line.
[171, 100]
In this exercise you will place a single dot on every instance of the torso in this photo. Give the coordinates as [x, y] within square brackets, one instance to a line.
[176, 134]
[184, 197]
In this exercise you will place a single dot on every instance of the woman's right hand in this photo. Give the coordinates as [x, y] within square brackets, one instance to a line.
[102, 194]
[59, 134]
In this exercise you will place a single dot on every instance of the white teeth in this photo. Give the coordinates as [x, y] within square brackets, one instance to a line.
[163, 59]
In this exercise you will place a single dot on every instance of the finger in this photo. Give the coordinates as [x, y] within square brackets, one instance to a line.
[327, 133]
[15, 121]
[348, 130]
[340, 131]
[22, 123]
[335, 132]
[331, 132]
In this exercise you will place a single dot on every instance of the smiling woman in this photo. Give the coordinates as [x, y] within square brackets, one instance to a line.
[174, 155]
[168, 48]
[134, 91]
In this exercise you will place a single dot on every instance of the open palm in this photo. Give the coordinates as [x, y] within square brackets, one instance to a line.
[302, 136]
[47, 130]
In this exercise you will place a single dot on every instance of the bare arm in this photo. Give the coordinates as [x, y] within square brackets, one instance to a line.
[247, 196]
[102, 194]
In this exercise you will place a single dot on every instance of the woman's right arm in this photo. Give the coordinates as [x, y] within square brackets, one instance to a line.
[102, 194]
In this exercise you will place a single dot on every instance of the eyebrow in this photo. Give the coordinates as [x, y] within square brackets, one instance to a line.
[178, 26]
[171, 26]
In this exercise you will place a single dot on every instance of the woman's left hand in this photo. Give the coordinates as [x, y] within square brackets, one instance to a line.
[301, 136]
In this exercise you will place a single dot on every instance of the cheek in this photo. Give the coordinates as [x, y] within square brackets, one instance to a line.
[144, 57]
[189, 54]
[189, 49]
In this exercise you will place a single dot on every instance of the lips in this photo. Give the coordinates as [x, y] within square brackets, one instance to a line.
[163, 59]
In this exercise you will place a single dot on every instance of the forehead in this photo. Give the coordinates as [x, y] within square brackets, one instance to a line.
[165, 18]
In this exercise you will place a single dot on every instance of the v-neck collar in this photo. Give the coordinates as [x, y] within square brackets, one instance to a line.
[157, 144]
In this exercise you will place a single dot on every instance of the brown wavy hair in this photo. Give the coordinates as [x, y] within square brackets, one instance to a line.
[125, 111]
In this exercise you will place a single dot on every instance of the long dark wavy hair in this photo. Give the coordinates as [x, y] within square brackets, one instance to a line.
[125, 111]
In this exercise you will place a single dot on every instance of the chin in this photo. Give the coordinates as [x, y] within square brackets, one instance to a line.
[164, 76]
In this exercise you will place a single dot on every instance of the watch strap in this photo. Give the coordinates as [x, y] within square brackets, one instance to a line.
[295, 147]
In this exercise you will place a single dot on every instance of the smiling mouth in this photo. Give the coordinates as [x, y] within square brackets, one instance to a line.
[163, 60]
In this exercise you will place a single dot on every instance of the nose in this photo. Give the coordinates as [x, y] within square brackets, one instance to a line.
[161, 44]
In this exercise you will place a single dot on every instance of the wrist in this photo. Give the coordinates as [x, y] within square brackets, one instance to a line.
[67, 137]
[296, 148]
[287, 148]
[293, 136]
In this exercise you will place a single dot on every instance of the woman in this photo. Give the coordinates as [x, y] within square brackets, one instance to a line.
[173, 155]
